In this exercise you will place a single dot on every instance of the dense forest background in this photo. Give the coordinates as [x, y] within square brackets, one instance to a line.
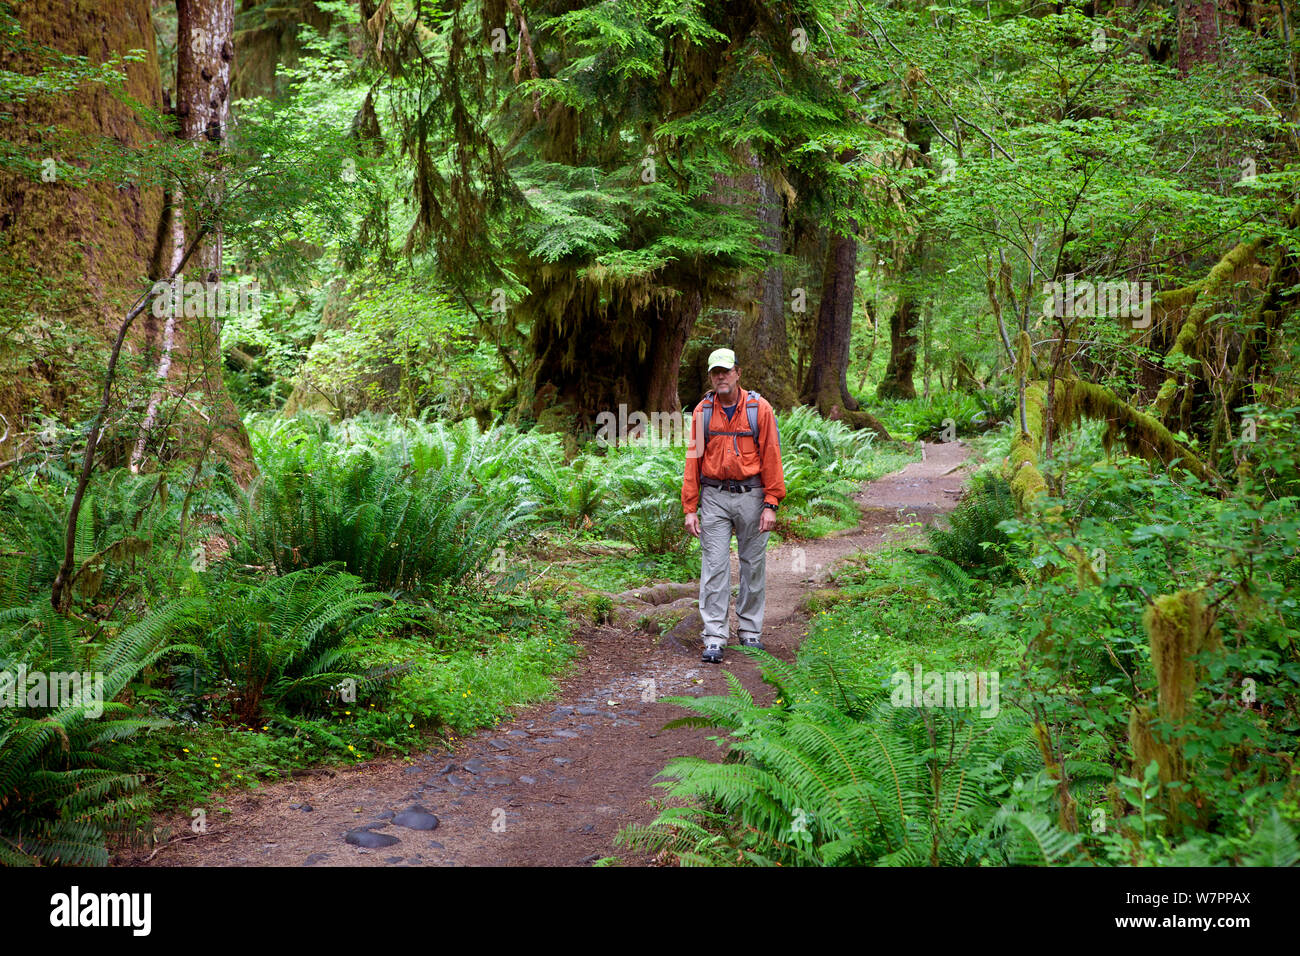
[310, 310]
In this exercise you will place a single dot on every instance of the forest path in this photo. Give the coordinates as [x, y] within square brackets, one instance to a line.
[552, 786]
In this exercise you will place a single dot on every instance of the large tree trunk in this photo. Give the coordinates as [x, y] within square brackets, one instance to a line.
[763, 345]
[203, 60]
[73, 258]
[100, 245]
[272, 42]
[1198, 33]
[826, 386]
[673, 328]
[904, 323]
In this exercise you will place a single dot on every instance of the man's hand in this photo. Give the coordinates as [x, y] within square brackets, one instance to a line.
[693, 523]
[767, 520]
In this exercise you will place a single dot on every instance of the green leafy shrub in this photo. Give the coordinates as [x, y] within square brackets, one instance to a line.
[283, 645]
[573, 495]
[831, 446]
[646, 485]
[945, 415]
[1103, 595]
[127, 534]
[833, 776]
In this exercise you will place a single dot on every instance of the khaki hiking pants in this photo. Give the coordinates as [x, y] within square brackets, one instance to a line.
[721, 512]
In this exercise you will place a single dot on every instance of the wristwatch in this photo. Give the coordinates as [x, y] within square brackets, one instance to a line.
[766, 505]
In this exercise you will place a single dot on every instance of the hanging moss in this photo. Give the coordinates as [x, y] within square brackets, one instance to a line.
[1265, 319]
[1067, 810]
[1083, 569]
[1179, 298]
[1145, 745]
[1209, 291]
[1178, 627]
[1141, 434]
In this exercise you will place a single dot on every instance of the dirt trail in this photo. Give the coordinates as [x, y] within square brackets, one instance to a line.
[553, 785]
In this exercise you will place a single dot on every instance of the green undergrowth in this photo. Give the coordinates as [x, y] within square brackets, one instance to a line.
[385, 585]
[576, 568]
[897, 612]
[945, 416]
[1093, 748]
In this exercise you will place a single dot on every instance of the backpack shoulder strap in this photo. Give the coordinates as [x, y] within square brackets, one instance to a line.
[751, 409]
[707, 414]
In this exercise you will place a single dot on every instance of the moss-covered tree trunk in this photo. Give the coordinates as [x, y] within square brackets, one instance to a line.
[826, 385]
[98, 246]
[904, 324]
[763, 345]
[73, 256]
[1281, 299]
[1198, 33]
[1179, 627]
[268, 39]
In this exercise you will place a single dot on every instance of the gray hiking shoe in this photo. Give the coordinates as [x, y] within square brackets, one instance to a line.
[751, 640]
[712, 650]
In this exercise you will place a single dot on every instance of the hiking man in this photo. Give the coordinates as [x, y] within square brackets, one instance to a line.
[733, 482]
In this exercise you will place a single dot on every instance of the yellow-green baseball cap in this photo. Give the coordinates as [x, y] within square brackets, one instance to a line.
[722, 358]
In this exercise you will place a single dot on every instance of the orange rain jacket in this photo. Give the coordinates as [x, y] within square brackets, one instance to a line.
[738, 457]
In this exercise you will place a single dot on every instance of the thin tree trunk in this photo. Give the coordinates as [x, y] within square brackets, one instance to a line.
[169, 328]
[925, 351]
[60, 596]
[204, 53]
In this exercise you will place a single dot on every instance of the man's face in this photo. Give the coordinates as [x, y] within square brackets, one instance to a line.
[726, 381]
